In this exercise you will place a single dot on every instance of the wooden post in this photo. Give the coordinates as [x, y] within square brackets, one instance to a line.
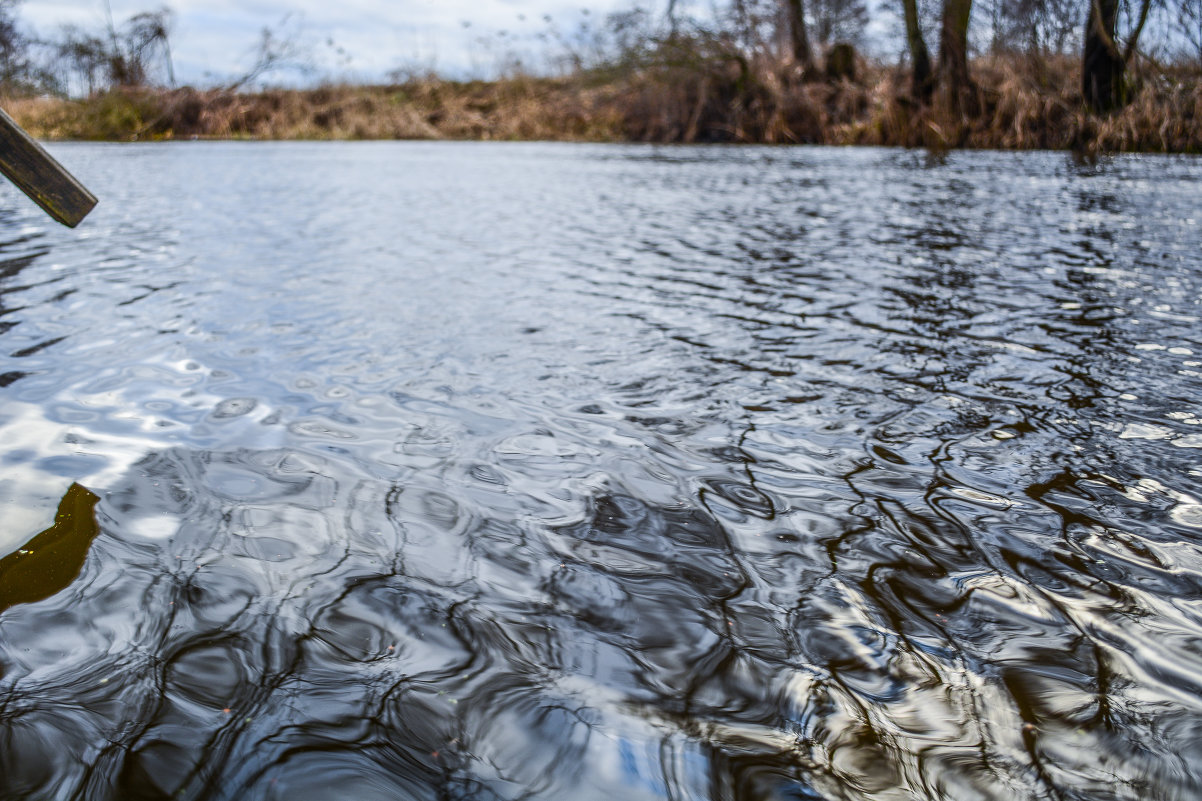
[38, 175]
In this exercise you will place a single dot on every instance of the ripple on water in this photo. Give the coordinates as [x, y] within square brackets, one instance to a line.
[607, 472]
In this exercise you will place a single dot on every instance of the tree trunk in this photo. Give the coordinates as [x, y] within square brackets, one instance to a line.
[798, 37]
[1102, 68]
[841, 62]
[953, 53]
[922, 82]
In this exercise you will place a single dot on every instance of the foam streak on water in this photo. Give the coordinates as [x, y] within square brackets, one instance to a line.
[467, 471]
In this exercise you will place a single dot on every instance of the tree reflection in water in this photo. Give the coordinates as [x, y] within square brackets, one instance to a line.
[734, 489]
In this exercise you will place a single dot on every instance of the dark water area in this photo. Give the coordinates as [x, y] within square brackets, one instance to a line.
[469, 471]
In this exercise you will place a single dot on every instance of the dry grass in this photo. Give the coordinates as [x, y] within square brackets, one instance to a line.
[1018, 104]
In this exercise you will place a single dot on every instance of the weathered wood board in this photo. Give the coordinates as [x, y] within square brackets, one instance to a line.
[37, 174]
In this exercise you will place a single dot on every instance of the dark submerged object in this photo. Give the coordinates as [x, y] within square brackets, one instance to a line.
[38, 175]
[51, 560]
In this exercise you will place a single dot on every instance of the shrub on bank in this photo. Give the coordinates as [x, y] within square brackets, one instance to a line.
[1017, 103]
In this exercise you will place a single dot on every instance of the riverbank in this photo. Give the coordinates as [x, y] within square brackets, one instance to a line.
[1016, 105]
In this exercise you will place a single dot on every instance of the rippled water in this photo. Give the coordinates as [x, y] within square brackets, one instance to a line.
[464, 471]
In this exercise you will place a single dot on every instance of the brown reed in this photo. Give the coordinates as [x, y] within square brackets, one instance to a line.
[1017, 103]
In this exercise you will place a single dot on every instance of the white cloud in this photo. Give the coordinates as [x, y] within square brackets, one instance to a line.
[218, 36]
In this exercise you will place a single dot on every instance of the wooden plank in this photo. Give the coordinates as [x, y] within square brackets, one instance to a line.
[37, 174]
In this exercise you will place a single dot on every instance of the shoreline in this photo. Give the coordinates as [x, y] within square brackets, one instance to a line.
[932, 152]
[1015, 107]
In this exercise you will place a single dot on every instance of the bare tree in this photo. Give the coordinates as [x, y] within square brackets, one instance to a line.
[1036, 26]
[14, 48]
[1191, 24]
[80, 60]
[278, 49]
[799, 38]
[125, 56]
[953, 52]
[922, 82]
[838, 21]
[145, 34]
[1104, 62]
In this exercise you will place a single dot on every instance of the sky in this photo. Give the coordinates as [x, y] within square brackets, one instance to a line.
[214, 40]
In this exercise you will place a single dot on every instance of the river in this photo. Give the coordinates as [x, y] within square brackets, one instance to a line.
[552, 471]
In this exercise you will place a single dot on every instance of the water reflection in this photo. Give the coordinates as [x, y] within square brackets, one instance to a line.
[609, 472]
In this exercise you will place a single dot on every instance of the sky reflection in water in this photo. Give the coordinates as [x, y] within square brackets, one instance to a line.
[555, 471]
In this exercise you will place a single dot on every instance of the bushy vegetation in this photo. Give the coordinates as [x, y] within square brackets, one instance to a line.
[773, 71]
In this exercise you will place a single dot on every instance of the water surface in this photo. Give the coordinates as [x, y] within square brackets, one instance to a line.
[469, 471]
